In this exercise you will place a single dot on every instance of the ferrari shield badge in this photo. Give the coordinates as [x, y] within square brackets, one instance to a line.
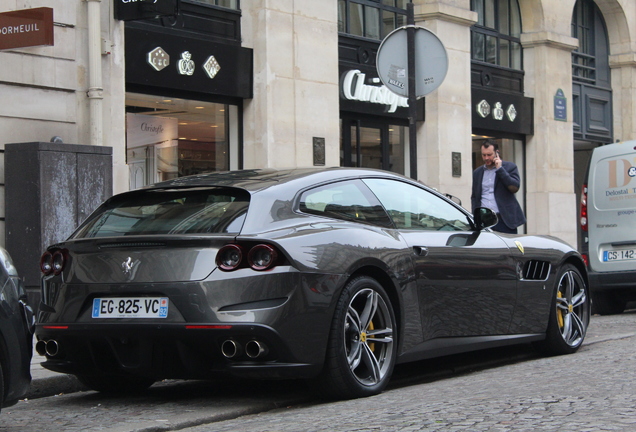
[519, 246]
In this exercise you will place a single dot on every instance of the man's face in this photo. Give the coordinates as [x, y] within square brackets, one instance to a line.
[488, 155]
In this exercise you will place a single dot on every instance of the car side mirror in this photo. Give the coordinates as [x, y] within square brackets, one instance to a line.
[485, 218]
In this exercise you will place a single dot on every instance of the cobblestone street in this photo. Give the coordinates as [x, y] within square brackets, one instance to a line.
[502, 390]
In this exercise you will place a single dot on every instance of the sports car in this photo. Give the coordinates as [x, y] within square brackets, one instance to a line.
[331, 275]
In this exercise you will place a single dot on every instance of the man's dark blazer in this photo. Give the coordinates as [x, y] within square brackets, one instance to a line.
[509, 209]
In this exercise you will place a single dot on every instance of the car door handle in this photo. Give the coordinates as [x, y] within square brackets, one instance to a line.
[420, 250]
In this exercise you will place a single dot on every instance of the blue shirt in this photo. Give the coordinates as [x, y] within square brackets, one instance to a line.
[488, 189]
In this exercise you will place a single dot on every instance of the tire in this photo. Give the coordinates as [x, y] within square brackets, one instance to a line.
[1, 387]
[362, 346]
[569, 314]
[115, 384]
[607, 304]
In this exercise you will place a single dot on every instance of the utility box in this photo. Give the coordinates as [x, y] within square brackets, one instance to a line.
[50, 188]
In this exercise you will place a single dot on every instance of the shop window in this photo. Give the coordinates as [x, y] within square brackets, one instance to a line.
[371, 19]
[495, 38]
[169, 137]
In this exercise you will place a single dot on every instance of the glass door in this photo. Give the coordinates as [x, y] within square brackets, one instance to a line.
[373, 145]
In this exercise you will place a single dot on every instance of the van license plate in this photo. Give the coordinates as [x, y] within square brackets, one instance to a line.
[619, 255]
[144, 307]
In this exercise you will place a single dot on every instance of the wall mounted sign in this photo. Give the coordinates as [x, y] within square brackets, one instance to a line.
[159, 59]
[560, 106]
[484, 110]
[131, 10]
[495, 111]
[25, 28]
[155, 58]
[355, 88]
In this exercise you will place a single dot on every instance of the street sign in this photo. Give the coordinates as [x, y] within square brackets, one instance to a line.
[26, 28]
[431, 62]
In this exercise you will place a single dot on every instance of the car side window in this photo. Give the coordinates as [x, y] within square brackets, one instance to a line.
[346, 200]
[414, 208]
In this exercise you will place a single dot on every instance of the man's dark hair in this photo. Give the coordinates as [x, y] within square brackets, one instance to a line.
[490, 142]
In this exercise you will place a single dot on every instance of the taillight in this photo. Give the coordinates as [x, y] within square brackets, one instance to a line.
[229, 257]
[586, 259]
[46, 263]
[262, 257]
[583, 219]
[53, 263]
[259, 257]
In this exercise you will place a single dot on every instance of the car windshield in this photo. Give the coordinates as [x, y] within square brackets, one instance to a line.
[176, 211]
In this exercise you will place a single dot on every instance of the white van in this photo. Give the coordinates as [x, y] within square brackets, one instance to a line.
[608, 224]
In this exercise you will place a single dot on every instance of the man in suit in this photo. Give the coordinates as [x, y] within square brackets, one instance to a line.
[494, 186]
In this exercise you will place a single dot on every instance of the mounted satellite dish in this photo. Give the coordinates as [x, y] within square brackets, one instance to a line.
[431, 62]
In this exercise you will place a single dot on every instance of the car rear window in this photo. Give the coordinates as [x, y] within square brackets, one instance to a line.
[176, 211]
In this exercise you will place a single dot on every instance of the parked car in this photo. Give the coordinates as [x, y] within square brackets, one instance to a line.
[331, 275]
[608, 215]
[16, 334]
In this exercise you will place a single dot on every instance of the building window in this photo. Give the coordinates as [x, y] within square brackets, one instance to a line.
[168, 137]
[584, 57]
[496, 35]
[371, 19]
[230, 4]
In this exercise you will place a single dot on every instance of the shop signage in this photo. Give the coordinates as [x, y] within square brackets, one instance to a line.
[143, 130]
[25, 28]
[498, 112]
[158, 59]
[560, 106]
[131, 10]
[484, 110]
[355, 89]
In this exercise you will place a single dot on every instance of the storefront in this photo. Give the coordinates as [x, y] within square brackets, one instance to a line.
[373, 120]
[184, 95]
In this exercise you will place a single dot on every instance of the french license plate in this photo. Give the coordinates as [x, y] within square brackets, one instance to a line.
[619, 255]
[144, 307]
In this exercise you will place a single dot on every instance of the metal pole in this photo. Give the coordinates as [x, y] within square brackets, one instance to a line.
[410, 50]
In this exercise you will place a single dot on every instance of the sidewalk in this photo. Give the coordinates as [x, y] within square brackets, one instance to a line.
[46, 383]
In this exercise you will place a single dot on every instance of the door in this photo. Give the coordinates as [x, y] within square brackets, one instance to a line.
[374, 144]
[466, 280]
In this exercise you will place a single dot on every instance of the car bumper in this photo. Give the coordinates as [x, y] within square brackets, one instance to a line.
[172, 351]
[613, 281]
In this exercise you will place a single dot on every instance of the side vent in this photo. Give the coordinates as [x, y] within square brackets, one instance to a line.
[536, 270]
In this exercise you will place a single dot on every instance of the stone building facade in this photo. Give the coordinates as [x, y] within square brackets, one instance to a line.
[229, 84]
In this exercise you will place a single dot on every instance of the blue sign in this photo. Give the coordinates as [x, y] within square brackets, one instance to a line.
[560, 106]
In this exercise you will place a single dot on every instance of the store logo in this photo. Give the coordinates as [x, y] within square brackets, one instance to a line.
[158, 59]
[186, 64]
[354, 88]
[483, 109]
[211, 67]
[511, 113]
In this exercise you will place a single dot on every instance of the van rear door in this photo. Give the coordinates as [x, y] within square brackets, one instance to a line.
[612, 208]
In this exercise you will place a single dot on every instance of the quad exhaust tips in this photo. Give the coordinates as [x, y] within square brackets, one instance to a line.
[253, 349]
[49, 348]
[230, 348]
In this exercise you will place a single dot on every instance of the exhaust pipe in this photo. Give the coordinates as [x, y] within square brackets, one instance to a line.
[40, 347]
[255, 349]
[49, 348]
[231, 349]
[52, 348]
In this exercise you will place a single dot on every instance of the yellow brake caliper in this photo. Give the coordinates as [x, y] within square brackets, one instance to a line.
[559, 311]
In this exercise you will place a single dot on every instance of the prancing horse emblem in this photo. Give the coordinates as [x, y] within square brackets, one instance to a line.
[127, 266]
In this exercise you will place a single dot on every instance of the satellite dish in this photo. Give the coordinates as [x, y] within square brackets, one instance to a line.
[431, 62]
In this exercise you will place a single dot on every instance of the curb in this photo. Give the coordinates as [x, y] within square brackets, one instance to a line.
[54, 385]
